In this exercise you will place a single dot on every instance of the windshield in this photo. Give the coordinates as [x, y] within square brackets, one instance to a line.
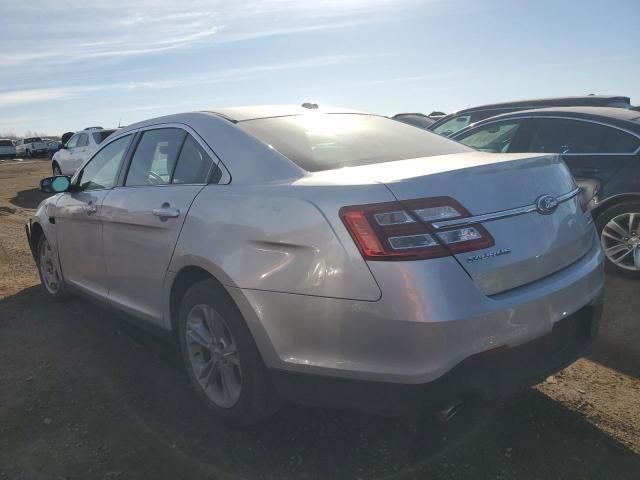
[6, 143]
[32, 140]
[326, 141]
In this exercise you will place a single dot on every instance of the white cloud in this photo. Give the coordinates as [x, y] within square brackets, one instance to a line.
[19, 97]
[81, 31]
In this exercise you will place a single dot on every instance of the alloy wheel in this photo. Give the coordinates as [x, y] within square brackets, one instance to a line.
[621, 241]
[213, 355]
[49, 268]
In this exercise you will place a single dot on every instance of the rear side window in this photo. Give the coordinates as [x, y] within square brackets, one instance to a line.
[556, 135]
[194, 164]
[155, 157]
[617, 141]
[495, 137]
[322, 141]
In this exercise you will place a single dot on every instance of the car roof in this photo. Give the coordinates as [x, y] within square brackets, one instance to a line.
[587, 100]
[241, 114]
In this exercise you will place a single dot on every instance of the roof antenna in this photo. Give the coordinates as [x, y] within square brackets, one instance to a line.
[119, 121]
[310, 106]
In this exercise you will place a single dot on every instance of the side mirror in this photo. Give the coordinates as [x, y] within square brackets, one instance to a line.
[57, 184]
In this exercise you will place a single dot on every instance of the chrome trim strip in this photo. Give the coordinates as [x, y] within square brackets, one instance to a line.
[488, 217]
[516, 116]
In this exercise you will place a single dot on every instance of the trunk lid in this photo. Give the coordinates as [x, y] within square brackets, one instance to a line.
[528, 246]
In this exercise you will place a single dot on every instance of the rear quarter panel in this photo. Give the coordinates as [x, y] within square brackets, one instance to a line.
[278, 238]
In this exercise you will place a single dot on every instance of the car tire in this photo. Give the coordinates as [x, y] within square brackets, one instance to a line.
[56, 169]
[49, 270]
[619, 231]
[28, 153]
[221, 357]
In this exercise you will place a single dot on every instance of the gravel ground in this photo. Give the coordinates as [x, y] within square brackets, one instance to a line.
[84, 394]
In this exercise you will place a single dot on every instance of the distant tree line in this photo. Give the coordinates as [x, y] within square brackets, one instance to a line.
[28, 133]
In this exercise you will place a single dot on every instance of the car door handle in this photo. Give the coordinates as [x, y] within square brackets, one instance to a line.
[90, 209]
[166, 212]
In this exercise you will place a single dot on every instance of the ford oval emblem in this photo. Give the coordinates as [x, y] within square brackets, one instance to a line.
[546, 204]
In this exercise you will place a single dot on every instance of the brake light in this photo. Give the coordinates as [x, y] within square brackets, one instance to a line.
[404, 231]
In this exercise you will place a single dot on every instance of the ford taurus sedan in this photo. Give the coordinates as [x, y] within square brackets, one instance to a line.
[329, 257]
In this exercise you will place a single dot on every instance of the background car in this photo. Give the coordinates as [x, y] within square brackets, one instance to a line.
[600, 145]
[7, 148]
[328, 256]
[31, 147]
[454, 122]
[77, 149]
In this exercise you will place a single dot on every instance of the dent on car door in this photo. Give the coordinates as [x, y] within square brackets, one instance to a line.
[79, 220]
[144, 216]
[595, 153]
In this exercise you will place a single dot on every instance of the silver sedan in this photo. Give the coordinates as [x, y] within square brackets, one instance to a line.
[329, 257]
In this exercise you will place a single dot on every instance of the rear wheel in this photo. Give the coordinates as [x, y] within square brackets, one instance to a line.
[221, 358]
[49, 270]
[619, 229]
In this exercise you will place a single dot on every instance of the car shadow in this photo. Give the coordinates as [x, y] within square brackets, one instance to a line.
[619, 336]
[28, 198]
[90, 391]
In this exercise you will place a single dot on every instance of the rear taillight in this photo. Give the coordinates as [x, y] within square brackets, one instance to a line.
[403, 231]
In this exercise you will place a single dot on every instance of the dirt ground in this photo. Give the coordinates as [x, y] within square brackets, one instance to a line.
[84, 394]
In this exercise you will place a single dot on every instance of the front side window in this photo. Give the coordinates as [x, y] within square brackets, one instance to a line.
[453, 125]
[73, 142]
[83, 140]
[194, 164]
[102, 170]
[155, 157]
[560, 135]
[495, 137]
[324, 141]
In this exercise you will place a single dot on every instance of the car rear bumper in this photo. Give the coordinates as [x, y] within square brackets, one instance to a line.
[431, 317]
[487, 375]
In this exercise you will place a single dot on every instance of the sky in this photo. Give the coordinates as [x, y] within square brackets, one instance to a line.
[69, 64]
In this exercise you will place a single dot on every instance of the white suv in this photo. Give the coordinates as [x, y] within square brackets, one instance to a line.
[77, 149]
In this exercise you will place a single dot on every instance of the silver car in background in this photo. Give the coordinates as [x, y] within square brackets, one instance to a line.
[329, 257]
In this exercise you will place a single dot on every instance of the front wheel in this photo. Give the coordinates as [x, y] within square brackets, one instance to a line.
[56, 170]
[49, 270]
[619, 229]
[221, 358]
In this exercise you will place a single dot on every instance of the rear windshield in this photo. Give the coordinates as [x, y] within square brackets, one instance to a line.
[32, 140]
[101, 135]
[324, 141]
[6, 143]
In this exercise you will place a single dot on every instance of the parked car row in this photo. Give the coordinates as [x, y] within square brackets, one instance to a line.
[329, 256]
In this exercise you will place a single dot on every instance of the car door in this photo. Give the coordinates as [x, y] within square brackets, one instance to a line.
[143, 217]
[79, 218]
[594, 152]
